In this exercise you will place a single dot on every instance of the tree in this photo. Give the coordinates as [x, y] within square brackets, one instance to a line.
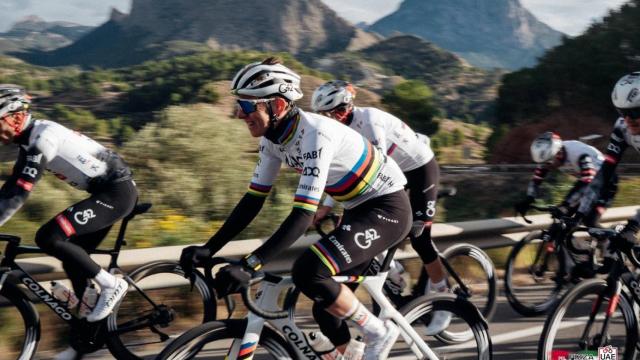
[412, 101]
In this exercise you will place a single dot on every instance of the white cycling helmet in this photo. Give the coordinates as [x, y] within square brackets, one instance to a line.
[264, 80]
[545, 147]
[332, 94]
[13, 98]
[626, 92]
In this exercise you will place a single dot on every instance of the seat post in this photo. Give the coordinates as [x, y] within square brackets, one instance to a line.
[387, 260]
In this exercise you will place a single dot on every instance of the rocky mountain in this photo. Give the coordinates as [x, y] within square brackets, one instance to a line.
[487, 33]
[300, 27]
[462, 90]
[34, 33]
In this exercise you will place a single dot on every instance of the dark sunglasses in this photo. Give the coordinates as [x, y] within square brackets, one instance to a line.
[339, 109]
[633, 113]
[249, 106]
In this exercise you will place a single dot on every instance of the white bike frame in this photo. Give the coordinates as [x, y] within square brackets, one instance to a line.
[267, 297]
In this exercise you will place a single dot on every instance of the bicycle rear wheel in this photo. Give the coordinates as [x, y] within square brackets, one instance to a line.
[19, 325]
[576, 324]
[212, 340]
[465, 317]
[478, 274]
[530, 276]
[138, 329]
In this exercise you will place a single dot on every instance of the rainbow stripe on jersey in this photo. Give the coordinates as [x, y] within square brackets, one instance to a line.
[306, 202]
[259, 189]
[359, 178]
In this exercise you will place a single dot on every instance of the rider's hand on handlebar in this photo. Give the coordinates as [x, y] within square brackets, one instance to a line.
[626, 239]
[572, 222]
[321, 213]
[523, 205]
[231, 279]
[560, 211]
[192, 256]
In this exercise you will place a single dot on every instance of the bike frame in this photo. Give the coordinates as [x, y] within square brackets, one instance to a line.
[268, 294]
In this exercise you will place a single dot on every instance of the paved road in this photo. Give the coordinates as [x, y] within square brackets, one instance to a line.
[513, 336]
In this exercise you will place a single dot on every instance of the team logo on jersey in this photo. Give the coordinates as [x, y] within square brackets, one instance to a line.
[30, 171]
[311, 171]
[83, 217]
[34, 158]
[364, 240]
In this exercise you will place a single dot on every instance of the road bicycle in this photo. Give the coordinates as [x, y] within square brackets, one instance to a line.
[147, 315]
[542, 265]
[598, 315]
[270, 329]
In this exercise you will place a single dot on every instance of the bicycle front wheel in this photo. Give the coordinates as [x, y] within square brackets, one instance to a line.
[465, 318]
[530, 276]
[213, 340]
[577, 323]
[19, 325]
[164, 307]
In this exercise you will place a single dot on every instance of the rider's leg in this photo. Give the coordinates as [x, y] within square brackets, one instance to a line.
[366, 230]
[423, 193]
[90, 219]
[89, 243]
[334, 328]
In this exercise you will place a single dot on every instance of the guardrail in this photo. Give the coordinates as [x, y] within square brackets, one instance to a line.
[483, 233]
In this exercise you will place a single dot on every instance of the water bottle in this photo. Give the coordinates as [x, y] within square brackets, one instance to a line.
[89, 300]
[64, 294]
[323, 346]
[355, 349]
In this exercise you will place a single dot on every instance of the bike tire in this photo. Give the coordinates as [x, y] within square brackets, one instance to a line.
[128, 345]
[19, 306]
[574, 308]
[537, 294]
[467, 259]
[189, 344]
[417, 314]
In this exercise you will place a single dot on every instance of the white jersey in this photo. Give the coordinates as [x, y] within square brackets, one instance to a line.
[71, 156]
[393, 137]
[331, 158]
[575, 151]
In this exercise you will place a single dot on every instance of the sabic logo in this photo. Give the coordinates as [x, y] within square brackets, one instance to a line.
[364, 240]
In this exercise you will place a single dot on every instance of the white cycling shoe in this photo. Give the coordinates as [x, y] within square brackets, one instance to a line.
[378, 348]
[109, 298]
[68, 354]
[439, 322]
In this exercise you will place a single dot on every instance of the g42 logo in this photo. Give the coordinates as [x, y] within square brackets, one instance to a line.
[83, 217]
[364, 240]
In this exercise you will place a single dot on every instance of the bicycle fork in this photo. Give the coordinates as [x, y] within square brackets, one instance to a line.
[595, 309]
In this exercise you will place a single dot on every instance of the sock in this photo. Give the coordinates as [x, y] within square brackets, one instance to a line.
[368, 323]
[105, 280]
[440, 286]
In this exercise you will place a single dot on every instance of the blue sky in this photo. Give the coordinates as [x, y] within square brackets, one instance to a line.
[569, 16]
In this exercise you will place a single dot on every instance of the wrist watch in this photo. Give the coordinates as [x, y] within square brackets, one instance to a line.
[252, 262]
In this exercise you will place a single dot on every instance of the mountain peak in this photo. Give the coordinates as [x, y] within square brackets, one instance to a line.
[487, 33]
[299, 27]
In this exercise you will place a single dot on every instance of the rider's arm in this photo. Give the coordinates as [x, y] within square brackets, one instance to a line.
[26, 172]
[378, 135]
[587, 174]
[539, 174]
[249, 206]
[616, 147]
[306, 200]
